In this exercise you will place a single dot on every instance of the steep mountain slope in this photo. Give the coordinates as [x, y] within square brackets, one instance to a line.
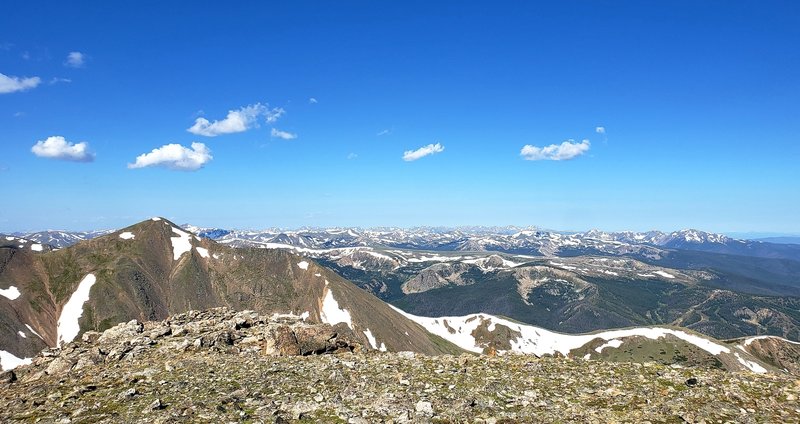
[152, 269]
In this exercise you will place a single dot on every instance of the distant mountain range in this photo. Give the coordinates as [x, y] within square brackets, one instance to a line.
[498, 289]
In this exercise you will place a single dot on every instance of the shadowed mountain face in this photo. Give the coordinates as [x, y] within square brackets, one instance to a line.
[154, 269]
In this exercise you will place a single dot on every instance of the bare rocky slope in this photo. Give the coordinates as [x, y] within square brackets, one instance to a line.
[225, 366]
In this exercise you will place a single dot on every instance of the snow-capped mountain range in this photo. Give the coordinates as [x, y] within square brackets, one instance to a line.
[527, 241]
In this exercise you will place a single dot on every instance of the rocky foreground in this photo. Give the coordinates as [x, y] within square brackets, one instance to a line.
[223, 366]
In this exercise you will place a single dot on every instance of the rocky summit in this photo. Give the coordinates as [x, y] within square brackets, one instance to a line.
[225, 366]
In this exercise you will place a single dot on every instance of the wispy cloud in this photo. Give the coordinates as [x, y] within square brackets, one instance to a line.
[564, 151]
[56, 147]
[313, 101]
[75, 60]
[274, 114]
[352, 156]
[176, 157]
[285, 135]
[18, 114]
[384, 132]
[9, 84]
[412, 155]
[57, 80]
[600, 130]
[237, 121]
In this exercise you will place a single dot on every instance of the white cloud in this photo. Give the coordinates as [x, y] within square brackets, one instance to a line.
[600, 130]
[57, 80]
[175, 156]
[237, 121]
[10, 84]
[75, 60]
[384, 132]
[564, 151]
[411, 155]
[312, 100]
[274, 114]
[56, 147]
[352, 156]
[275, 133]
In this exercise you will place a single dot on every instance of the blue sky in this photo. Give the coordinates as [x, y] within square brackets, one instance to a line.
[698, 101]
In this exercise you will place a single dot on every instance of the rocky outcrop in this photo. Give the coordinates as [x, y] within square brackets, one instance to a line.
[218, 330]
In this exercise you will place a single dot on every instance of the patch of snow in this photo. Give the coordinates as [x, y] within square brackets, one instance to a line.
[34, 331]
[331, 314]
[155, 218]
[317, 274]
[180, 244]
[68, 325]
[11, 292]
[752, 366]
[305, 315]
[540, 341]
[435, 258]
[749, 340]
[615, 343]
[202, 251]
[21, 334]
[36, 247]
[302, 265]
[587, 357]
[127, 235]
[8, 361]
[563, 266]
[10, 238]
[215, 256]
[664, 274]
[371, 339]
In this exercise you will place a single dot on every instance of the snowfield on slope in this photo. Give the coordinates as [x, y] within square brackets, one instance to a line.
[539, 341]
[331, 313]
[10, 293]
[68, 325]
[180, 244]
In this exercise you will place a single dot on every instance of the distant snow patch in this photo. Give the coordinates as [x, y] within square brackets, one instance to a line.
[305, 315]
[373, 342]
[752, 339]
[611, 343]
[8, 361]
[331, 314]
[155, 218]
[317, 274]
[68, 325]
[215, 256]
[180, 244]
[752, 366]
[202, 251]
[34, 331]
[302, 265]
[540, 341]
[664, 274]
[11, 293]
[10, 238]
[127, 235]
[36, 247]
[21, 334]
